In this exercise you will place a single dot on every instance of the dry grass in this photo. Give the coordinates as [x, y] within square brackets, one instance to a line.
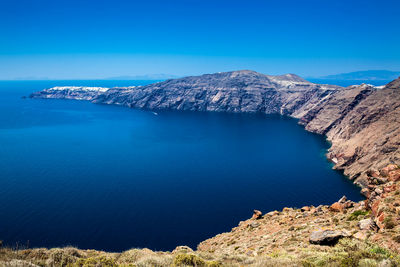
[348, 252]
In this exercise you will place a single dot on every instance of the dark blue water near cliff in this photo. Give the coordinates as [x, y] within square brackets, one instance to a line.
[113, 178]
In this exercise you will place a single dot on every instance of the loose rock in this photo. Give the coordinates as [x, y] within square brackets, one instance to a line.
[367, 224]
[257, 215]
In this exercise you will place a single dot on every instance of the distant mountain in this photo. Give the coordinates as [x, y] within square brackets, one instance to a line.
[365, 75]
[144, 77]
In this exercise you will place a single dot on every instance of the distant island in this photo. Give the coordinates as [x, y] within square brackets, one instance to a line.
[364, 75]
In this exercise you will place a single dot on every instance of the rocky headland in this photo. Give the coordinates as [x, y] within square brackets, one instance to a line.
[361, 122]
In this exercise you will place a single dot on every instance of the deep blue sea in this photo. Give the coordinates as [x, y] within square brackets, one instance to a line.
[113, 178]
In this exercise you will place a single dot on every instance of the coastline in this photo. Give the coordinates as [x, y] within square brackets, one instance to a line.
[353, 121]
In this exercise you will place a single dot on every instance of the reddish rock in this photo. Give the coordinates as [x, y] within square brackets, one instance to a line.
[381, 217]
[394, 175]
[391, 167]
[375, 208]
[390, 188]
[336, 207]
[256, 215]
[379, 221]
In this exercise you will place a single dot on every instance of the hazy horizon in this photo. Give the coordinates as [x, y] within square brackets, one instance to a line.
[162, 76]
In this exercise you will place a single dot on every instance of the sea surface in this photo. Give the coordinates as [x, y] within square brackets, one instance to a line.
[113, 178]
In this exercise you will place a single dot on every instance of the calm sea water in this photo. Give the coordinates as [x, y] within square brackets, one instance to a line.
[114, 178]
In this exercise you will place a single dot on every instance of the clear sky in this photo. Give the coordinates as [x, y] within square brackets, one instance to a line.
[78, 39]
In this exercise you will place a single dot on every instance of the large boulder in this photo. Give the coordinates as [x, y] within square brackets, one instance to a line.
[326, 237]
[342, 204]
[336, 207]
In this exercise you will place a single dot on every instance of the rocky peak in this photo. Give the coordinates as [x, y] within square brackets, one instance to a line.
[291, 77]
[394, 84]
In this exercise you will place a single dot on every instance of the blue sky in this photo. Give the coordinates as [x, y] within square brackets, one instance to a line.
[96, 39]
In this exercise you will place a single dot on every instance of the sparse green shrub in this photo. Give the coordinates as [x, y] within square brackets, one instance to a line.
[60, 257]
[213, 264]
[354, 216]
[380, 252]
[102, 261]
[189, 260]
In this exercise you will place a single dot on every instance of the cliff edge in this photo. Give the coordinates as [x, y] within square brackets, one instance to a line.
[362, 122]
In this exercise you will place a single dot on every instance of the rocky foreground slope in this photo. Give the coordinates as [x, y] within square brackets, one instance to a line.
[362, 123]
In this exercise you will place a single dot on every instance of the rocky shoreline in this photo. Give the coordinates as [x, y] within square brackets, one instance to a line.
[361, 122]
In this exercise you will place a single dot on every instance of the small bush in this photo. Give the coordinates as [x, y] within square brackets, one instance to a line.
[380, 252]
[151, 260]
[96, 261]
[389, 223]
[189, 260]
[354, 216]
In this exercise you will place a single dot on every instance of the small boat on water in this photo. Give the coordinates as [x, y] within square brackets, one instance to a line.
[155, 113]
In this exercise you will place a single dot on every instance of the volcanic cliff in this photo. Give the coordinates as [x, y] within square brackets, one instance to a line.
[361, 122]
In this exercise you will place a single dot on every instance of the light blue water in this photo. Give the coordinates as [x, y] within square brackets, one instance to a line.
[113, 178]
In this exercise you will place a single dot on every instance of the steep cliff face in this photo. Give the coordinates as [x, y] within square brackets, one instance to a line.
[238, 91]
[362, 122]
